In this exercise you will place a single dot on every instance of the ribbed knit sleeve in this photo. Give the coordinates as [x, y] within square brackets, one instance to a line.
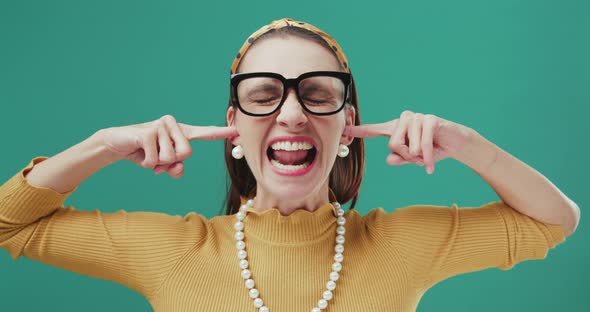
[439, 242]
[136, 249]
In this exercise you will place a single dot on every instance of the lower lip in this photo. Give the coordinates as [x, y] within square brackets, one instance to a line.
[293, 173]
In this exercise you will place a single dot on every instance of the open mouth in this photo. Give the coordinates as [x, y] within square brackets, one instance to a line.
[291, 156]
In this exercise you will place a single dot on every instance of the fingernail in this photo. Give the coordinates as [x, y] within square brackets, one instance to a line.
[429, 169]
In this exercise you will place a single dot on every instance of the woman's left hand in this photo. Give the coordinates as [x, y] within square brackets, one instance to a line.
[417, 138]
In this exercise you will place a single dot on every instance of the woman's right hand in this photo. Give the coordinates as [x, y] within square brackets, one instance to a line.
[162, 144]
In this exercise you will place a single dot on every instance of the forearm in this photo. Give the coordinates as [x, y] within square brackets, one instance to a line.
[66, 170]
[519, 185]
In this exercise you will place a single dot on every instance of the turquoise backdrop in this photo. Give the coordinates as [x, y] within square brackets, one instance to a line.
[516, 71]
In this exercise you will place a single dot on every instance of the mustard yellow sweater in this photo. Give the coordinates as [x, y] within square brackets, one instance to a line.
[190, 264]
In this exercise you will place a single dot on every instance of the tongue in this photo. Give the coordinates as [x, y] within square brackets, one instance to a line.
[289, 157]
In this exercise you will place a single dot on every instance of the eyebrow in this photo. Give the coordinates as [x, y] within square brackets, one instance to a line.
[264, 87]
[315, 86]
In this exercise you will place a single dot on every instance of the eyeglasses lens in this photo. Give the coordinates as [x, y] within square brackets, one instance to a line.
[319, 94]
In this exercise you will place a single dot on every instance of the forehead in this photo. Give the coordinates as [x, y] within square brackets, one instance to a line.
[290, 57]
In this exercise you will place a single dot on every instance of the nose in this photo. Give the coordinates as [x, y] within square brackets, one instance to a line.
[291, 115]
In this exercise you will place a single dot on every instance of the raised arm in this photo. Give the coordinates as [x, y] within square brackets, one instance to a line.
[136, 249]
[424, 139]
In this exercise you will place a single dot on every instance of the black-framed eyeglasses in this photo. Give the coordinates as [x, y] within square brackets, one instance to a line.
[263, 93]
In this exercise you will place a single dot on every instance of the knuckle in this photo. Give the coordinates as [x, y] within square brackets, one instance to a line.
[156, 126]
[167, 158]
[184, 153]
[418, 116]
[406, 113]
[168, 118]
[395, 145]
[392, 145]
[148, 163]
[430, 118]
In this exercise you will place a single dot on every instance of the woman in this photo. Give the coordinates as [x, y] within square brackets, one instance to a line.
[293, 160]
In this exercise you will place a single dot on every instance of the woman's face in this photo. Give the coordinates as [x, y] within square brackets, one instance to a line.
[290, 57]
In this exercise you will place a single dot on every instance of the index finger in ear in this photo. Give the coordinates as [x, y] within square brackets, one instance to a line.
[208, 132]
[369, 130]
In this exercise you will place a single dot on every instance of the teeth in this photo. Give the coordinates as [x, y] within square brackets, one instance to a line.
[291, 146]
[289, 167]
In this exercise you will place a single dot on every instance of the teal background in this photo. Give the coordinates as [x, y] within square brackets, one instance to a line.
[516, 71]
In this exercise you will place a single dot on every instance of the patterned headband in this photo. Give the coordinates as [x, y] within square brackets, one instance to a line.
[284, 22]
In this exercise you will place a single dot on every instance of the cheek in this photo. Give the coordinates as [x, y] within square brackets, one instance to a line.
[330, 135]
[252, 135]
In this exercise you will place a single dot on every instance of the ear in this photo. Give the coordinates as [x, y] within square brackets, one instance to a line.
[230, 119]
[349, 115]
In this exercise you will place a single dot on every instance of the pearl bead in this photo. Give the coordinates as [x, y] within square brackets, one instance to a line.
[341, 220]
[263, 309]
[328, 295]
[340, 212]
[343, 150]
[339, 248]
[334, 276]
[337, 266]
[253, 293]
[338, 257]
[337, 205]
[242, 254]
[258, 302]
[237, 152]
[240, 244]
[315, 310]
[239, 235]
[322, 303]
[244, 264]
[331, 285]
[239, 226]
[246, 274]
[340, 239]
[249, 283]
[249, 202]
[240, 215]
[340, 230]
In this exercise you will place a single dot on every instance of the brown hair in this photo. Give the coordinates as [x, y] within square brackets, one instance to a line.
[346, 175]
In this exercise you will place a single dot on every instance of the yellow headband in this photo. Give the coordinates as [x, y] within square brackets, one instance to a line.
[284, 22]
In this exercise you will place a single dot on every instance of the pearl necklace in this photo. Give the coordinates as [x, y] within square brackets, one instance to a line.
[247, 275]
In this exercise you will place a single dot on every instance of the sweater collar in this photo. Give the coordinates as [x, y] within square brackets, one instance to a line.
[300, 226]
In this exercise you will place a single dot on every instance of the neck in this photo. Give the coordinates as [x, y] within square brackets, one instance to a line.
[287, 205]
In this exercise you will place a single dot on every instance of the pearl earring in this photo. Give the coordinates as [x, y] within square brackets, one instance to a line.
[237, 152]
[343, 150]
